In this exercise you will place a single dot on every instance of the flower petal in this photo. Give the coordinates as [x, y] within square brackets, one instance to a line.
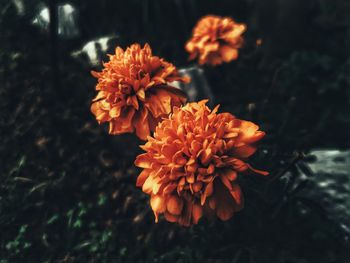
[141, 125]
[158, 205]
[175, 205]
[143, 161]
[197, 213]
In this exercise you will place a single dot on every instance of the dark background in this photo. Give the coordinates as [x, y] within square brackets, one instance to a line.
[67, 189]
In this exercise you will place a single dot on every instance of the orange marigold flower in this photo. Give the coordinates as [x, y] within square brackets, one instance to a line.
[215, 40]
[134, 92]
[191, 164]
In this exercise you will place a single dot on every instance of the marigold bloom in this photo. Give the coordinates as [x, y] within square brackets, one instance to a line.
[215, 40]
[134, 92]
[191, 164]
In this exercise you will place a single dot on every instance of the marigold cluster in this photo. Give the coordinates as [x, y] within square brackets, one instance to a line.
[215, 40]
[192, 162]
[134, 92]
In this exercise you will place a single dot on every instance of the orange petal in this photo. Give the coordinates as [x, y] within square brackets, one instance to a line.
[170, 217]
[141, 94]
[225, 212]
[156, 185]
[141, 125]
[122, 124]
[100, 95]
[197, 186]
[115, 112]
[169, 188]
[257, 137]
[237, 195]
[142, 178]
[208, 192]
[226, 182]
[186, 216]
[225, 205]
[175, 91]
[132, 101]
[244, 151]
[158, 205]
[265, 173]
[197, 213]
[248, 131]
[175, 205]
[95, 74]
[148, 185]
[230, 174]
[143, 161]
[159, 103]
[101, 115]
[206, 156]
[168, 151]
[237, 164]
[212, 203]
[228, 53]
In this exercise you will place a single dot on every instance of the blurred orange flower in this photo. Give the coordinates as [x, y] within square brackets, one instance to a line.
[191, 164]
[134, 92]
[215, 40]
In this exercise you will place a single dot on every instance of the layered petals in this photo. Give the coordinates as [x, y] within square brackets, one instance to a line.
[215, 40]
[134, 92]
[191, 165]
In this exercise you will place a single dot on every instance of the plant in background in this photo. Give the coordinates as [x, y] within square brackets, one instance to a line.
[192, 162]
[134, 91]
[215, 40]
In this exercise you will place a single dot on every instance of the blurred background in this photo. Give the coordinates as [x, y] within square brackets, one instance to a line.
[67, 188]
